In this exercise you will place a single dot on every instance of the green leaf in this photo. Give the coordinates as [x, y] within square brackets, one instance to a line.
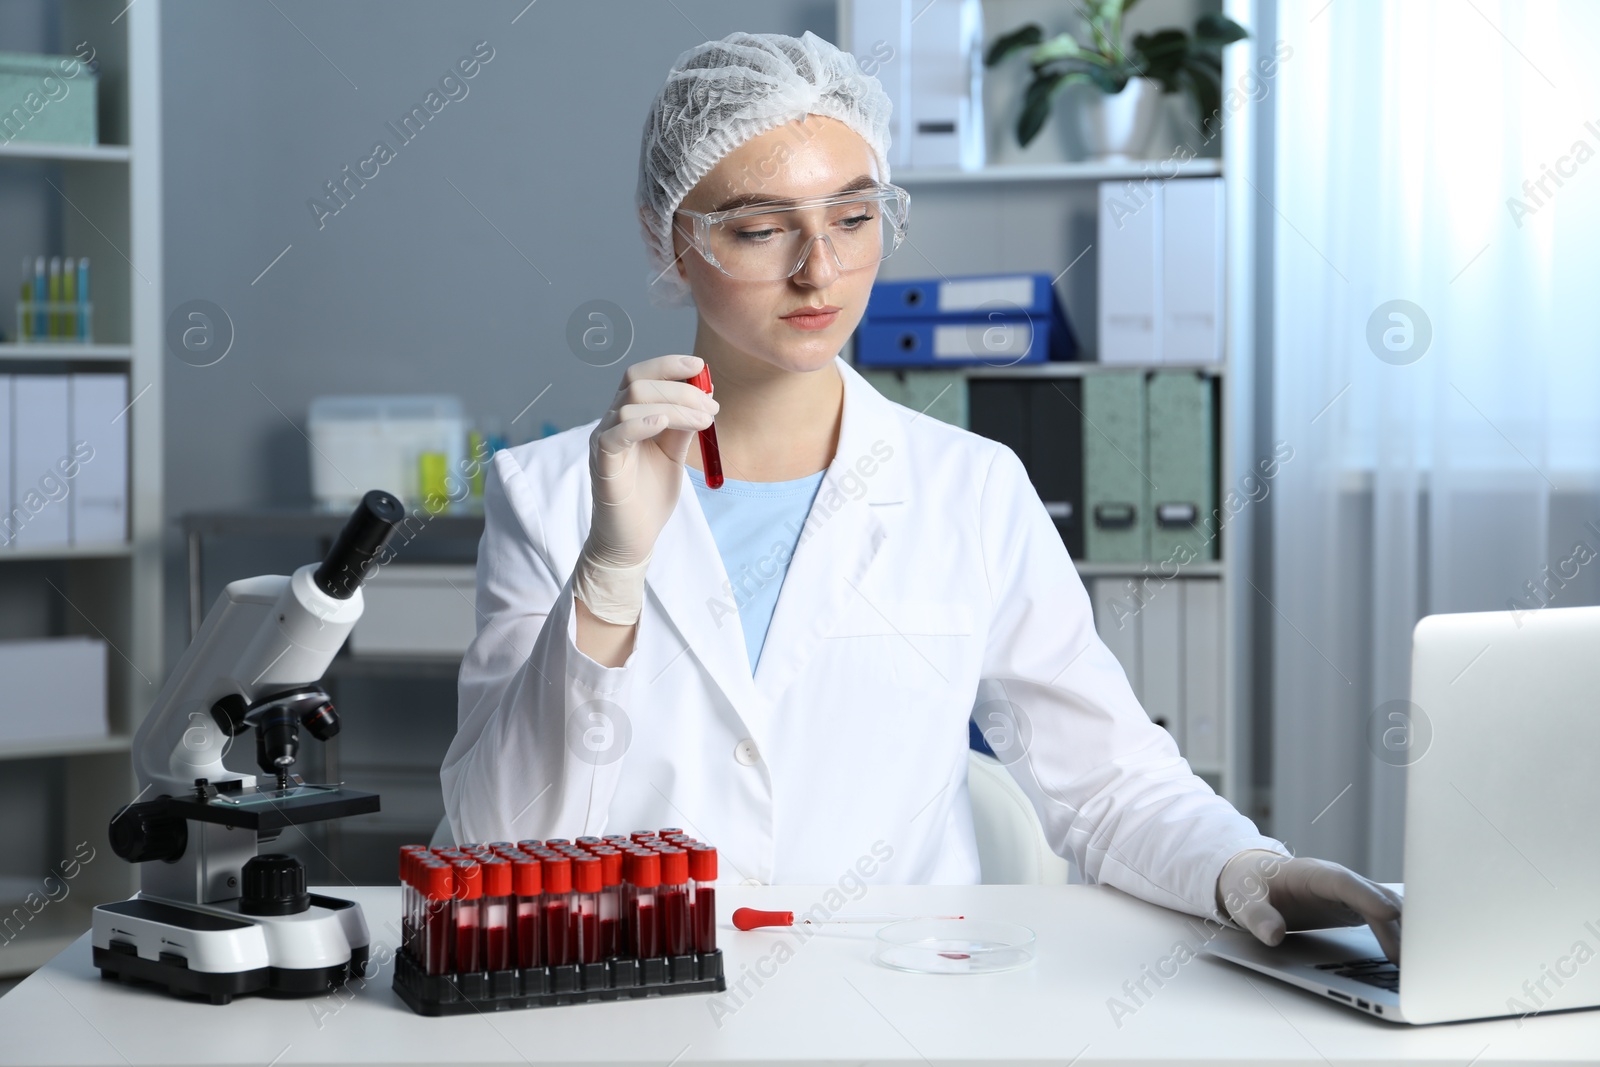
[1036, 105]
[1022, 37]
[1217, 31]
[1162, 55]
[1205, 86]
[1061, 46]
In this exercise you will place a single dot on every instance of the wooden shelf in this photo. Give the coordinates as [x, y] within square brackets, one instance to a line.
[84, 153]
[35, 351]
[113, 550]
[70, 746]
[1086, 171]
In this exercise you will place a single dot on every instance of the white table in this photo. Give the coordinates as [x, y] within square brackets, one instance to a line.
[828, 1003]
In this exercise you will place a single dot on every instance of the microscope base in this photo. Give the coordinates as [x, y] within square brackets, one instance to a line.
[213, 951]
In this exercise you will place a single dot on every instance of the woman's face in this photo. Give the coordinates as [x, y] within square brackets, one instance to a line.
[816, 157]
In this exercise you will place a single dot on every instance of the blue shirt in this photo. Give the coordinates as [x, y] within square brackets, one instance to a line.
[756, 526]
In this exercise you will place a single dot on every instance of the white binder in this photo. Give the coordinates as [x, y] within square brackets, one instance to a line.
[6, 526]
[1204, 740]
[1116, 620]
[877, 33]
[100, 491]
[1130, 276]
[1191, 273]
[1161, 652]
[39, 442]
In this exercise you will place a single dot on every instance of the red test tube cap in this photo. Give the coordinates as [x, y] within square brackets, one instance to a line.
[703, 863]
[610, 867]
[496, 877]
[668, 831]
[557, 874]
[530, 842]
[645, 870]
[527, 876]
[586, 874]
[468, 879]
[674, 866]
[438, 881]
[552, 842]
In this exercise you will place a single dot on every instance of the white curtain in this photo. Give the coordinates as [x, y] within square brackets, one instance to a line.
[1424, 480]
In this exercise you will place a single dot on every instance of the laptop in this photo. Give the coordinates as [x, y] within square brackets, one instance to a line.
[1502, 874]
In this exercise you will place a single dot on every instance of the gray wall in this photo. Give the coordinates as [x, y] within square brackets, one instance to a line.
[408, 288]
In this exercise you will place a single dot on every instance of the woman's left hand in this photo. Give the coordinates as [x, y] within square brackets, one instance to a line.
[1269, 894]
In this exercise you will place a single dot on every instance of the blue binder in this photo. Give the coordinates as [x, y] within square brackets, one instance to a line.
[996, 320]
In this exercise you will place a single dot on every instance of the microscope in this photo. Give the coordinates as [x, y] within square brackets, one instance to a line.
[214, 917]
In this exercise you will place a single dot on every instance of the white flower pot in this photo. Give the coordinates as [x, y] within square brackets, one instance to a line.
[1118, 127]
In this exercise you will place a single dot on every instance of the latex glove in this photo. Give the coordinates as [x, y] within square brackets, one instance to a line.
[636, 469]
[1269, 895]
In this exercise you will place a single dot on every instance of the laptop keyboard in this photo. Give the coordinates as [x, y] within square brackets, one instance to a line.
[1374, 972]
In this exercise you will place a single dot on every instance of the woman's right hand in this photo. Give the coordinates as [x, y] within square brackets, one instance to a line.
[636, 457]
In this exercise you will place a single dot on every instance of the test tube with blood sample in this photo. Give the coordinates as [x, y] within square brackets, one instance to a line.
[528, 886]
[586, 886]
[530, 843]
[703, 896]
[610, 902]
[409, 894]
[676, 936]
[495, 918]
[644, 877]
[710, 456]
[552, 842]
[468, 905]
[586, 842]
[555, 908]
[437, 930]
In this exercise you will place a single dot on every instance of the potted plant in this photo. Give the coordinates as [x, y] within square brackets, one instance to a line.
[1118, 122]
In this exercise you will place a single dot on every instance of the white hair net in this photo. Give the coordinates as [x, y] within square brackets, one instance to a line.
[719, 95]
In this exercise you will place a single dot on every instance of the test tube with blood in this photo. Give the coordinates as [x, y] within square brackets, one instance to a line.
[468, 904]
[409, 895]
[529, 843]
[552, 842]
[703, 896]
[710, 456]
[437, 930]
[495, 920]
[587, 842]
[643, 924]
[528, 885]
[555, 910]
[676, 936]
[586, 886]
[610, 902]
[640, 836]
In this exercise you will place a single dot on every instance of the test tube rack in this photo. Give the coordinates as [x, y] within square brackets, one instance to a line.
[542, 987]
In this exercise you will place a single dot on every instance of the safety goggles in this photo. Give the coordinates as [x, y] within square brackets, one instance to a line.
[771, 242]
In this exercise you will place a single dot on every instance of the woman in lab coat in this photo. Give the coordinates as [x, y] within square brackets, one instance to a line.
[610, 685]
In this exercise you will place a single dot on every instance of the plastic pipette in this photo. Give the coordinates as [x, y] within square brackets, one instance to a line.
[752, 919]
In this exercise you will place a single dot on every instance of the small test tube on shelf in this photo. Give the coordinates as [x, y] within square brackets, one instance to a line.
[495, 920]
[677, 937]
[610, 902]
[586, 886]
[556, 910]
[528, 886]
[437, 928]
[644, 878]
[468, 906]
[703, 896]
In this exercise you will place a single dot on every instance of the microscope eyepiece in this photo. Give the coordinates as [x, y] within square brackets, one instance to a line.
[369, 528]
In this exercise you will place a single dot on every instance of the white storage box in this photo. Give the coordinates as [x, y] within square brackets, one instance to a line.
[375, 442]
[417, 609]
[55, 689]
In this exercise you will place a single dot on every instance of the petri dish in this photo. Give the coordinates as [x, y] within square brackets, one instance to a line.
[954, 946]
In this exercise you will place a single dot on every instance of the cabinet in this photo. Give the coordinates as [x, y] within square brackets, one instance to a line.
[102, 201]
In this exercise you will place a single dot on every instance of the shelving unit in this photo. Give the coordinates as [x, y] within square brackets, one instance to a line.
[113, 591]
[1041, 217]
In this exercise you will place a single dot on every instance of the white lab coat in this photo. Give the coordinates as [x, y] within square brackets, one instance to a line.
[929, 580]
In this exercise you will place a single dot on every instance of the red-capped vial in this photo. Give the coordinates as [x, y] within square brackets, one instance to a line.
[703, 896]
[588, 842]
[617, 839]
[668, 831]
[552, 842]
[530, 843]
[527, 883]
[495, 919]
[644, 928]
[677, 938]
[586, 886]
[438, 924]
[556, 909]
[643, 835]
[498, 845]
[610, 901]
[468, 907]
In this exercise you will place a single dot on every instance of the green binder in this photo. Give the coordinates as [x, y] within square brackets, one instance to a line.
[1115, 467]
[938, 394]
[1183, 468]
